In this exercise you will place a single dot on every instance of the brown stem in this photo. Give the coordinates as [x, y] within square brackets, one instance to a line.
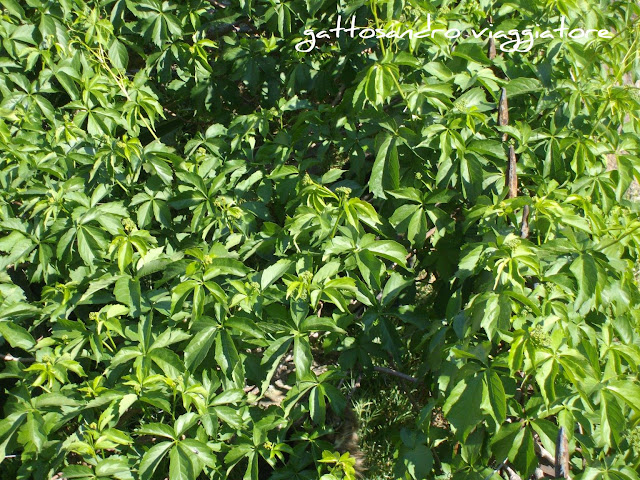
[222, 30]
[338, 98]
[395, 373]
[544, 454]
[512, 474]
[524, 227]
[491, 50]
[7, 357]
[511, 179]
[503, 111]
[562, 454]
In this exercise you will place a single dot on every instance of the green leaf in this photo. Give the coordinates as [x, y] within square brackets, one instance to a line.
[226, 356]
[272, 273]
[370, 268]
[184, 423]
[320, 324]
[33, 431]
[497, 313]
[118, 55]
[504, 443]
[390, 250]
[199, 346]
[114, 467]
[198, 450]
[152, 458]
[157, 429]
[525, 459]
[496, 396]
[16, 335]
[386, 168]
[626, 390]
[611, 419]
[78, 471]
[547, 431]
[417, 462]
[471, 174]
[91, 242]
[159, 167]
[127, 290]
[462, 406]
[417, 231]
[302, 357]
[125, 256]
[471, 51]
[313, 6]
[180, 466]
[394, 287]
[586, 274]
[317, 405]
[168, 362]
[225, 266]
[521, 86]
[8, 427]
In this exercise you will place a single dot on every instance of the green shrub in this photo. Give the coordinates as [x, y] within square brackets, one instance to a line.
[187, 199]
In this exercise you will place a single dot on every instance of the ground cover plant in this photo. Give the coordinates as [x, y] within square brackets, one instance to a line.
[188, 199]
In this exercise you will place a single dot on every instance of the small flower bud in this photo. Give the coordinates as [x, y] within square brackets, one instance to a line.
[306, 276]
[539, 337]
[512, 243]
[346, 191]
[129, 225]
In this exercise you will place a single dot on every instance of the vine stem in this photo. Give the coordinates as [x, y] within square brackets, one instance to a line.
[616, 240]
[395, 373]
[496, 470]
[374, 9]
[7, 357]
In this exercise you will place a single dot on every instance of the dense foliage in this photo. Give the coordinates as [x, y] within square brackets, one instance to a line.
[187, 199]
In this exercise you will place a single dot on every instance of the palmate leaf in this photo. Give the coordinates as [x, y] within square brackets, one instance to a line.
[377, 84]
